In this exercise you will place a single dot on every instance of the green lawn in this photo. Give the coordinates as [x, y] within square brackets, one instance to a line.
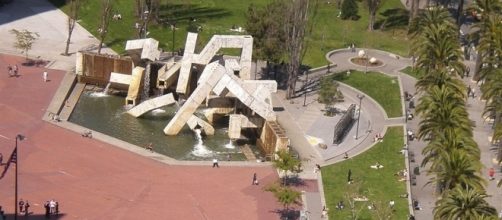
[377, 185]
[382, 88]
[218, 16]
[414, 73]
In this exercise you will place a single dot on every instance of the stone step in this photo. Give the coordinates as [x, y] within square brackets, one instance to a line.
[72, 100]
[246, 150]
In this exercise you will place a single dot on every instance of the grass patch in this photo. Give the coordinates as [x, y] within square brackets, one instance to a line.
[218, 16]
[382, 88]
[377, 185]
[416, 73]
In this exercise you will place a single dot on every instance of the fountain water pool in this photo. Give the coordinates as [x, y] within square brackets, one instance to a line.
[107, 114]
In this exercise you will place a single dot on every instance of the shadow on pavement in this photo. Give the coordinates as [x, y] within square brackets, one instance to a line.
[34, 216]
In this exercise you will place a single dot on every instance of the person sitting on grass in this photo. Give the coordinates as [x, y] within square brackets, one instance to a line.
[377, 166]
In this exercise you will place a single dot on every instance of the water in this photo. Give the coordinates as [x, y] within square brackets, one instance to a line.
[107, 114]
[102, 93]
[199, 149]
[146, 83]
[230, 145]
[105, 91]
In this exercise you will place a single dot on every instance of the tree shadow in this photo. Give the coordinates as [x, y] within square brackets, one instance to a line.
[295, 181]
[288, 214]
[393, 18]
[35, 62]
[35, 216]
[187, 13]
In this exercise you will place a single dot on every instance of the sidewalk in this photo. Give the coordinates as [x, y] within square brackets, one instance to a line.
[51, 24]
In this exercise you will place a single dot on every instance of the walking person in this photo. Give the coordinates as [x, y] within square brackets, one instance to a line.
[491, 173]
[255, 179]
[45, 75]
[47, 209]
[21, 205]
[9, 70]
[57, 207]
[15, 69]
[26, 208]
[1, 159]
[349, 176]
[52, 206]
[215, 163]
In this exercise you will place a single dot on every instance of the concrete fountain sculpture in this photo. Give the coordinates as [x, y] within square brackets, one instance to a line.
[221, 86]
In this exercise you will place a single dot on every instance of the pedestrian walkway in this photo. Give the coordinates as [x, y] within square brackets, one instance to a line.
[51, 24]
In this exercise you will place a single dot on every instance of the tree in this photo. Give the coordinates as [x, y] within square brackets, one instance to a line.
[349, 10]
[442, 111]
[466, 204]
[443, 143]
[285, 162]
[382, 210]
[265, 25]
[373, 6]
[106, 15]
[147, 10]
[329, 93]
[24, 40]
[354, 190]
[297, 26]
[287, 196]
[73, 15]
[458, 169]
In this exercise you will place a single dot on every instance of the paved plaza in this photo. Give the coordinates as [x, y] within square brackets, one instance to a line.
[97, 180]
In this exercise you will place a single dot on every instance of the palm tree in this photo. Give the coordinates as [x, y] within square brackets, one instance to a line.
[431, 17]
[442, 111]
[490, 45]
[457, 168]
[465, 204]
[444, 143]
[441, 79]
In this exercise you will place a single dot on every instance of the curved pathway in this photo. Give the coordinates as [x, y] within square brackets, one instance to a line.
[425, 194]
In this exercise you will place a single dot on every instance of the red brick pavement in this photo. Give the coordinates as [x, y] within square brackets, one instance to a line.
[94, 180]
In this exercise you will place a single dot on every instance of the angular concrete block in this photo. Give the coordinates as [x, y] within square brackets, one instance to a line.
[152, 104]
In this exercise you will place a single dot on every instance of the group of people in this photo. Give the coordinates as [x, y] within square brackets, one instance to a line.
[51, 208]
[13, 70]
[411, 135]
[378, 137]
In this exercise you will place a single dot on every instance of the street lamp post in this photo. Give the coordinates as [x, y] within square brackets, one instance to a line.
[19, 137]
[305, 97]
[367, 61]
[145, 23]
[305, 87]
[360, 97]
[173, 27]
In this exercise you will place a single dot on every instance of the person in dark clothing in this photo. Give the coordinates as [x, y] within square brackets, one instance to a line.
[26, 208]
[57, 208]
[47, 209]
[255, 179]
[349, 176]
[21, 205]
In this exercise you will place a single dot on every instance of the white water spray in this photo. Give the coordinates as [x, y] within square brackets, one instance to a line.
[199, 149]
[102, 93]
[230, 145]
